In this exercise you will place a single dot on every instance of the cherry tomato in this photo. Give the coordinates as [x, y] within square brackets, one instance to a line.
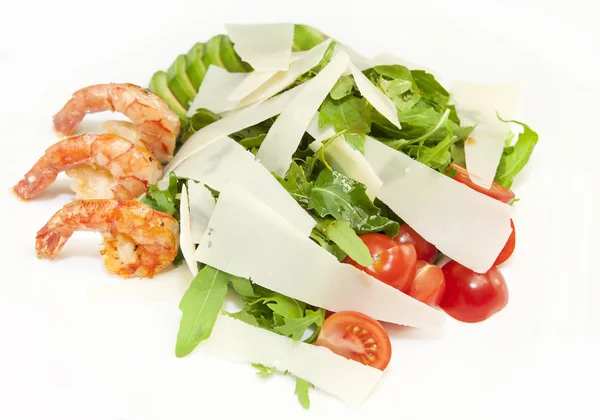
[497, 191]
[425, 251]
[428, 285]
[356, 336]
[393, 263]
[509, 248]
[470, 296]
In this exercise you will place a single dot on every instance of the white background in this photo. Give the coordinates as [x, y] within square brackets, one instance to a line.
[78, 344]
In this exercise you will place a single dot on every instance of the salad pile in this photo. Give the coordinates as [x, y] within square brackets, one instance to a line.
[328, 190]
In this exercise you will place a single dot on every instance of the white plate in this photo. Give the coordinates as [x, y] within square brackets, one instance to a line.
[78, 344]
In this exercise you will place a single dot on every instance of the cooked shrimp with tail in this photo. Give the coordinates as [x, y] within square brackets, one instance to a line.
[105, 166]
[156, 122]
[138, 240]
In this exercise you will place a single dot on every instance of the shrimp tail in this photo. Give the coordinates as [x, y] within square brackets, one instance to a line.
[34, 182]
[49, 242]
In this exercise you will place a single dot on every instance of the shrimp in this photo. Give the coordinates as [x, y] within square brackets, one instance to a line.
[138, 240]
[156, 122]
[105, 165]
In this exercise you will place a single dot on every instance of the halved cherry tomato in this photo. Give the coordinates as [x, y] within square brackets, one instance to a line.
[497, 191]
[428, 285]
[425, 251]
[509, 248]
[393, 263]
[470, 296]
[356, 336]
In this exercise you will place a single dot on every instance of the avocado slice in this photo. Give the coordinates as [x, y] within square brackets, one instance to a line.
[179, 82]
[195, 67]
[212, 52]
[307, 37]
[159, 85]
[232, 61]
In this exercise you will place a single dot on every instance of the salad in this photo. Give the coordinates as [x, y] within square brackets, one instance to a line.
[331, 192]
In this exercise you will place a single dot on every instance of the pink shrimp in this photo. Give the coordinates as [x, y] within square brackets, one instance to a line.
[156, 122]
[138, 240]
[105, 165]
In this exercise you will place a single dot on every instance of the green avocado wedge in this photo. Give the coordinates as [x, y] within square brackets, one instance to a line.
[195, 67]
[159, 85]
[233, 62]
[307, 37]
[179, 82]
[212, 52]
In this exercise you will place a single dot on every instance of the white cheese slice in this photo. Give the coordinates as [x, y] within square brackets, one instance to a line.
[230, 124]
[234, 340]
[275, 255]
[477, 104]
[376, 97]
[202, 205]
[281, 80]
[359, 60]
[343, 158]
[256, 79]
[283, 138]
[266, 46]
[467, 226]
[225, 161]
[251, 82]
[214, 92]
[185, 232]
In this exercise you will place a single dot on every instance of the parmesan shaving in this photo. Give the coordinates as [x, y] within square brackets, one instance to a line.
[266, 47]
[234, 340]
[274, 254]
[465, 225]
[284, 136]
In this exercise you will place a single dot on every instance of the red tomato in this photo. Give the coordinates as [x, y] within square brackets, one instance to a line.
[356, 336]
[425, 251]
[470, 296]
[509, 248]
[497, 191]
[428, 285]
[393, 263]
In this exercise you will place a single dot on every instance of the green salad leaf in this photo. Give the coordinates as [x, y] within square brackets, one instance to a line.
[342, 88]
[340, 233]
[296, 184]
[295, 327]
[343, 198]
[264, 371]
[349, 115]
[302, 388]
[200, 306]
[199, 120]
[515, 157]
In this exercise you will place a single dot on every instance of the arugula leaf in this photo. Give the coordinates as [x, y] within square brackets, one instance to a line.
[342, 88]
[301, 391]
[251, 142]
[340, 233]
[264, 371]
[295, 327]
[200, 306]
[199, 120]
[284, 306]
[379, 223]
[243, 316]
[514, 158]
[296, 184]
[324, 242]
[350, 114]
[242, 286]
[431, 90]
[341, 197]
